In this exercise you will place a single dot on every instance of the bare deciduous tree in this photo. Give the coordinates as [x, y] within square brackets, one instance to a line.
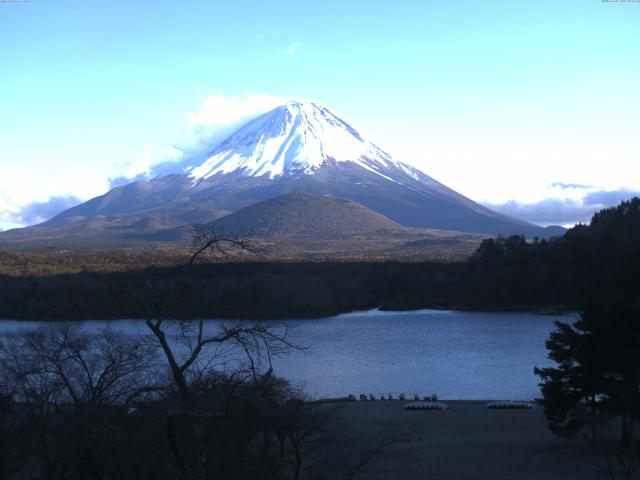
[209, 240]
[304, 423]
[195, 350]
[190, 350]
[104, 368]
[66, 383]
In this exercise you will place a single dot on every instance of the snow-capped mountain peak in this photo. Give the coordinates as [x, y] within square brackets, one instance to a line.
[297, 137]
[299, 147]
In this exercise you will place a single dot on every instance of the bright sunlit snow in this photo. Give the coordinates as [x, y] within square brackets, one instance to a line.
[297, 136]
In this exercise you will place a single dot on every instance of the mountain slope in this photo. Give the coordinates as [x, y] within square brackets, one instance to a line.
[306, 215]
[298, 147]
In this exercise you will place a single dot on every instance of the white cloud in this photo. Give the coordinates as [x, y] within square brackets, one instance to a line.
[569, 186]
[217, 117]
[221, 111]
[567, 210]
[292, 49]
[8, 210]
[46, 195]
[14, 216]
[144, 164]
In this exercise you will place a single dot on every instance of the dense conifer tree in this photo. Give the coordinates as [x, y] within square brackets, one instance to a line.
[598, 372]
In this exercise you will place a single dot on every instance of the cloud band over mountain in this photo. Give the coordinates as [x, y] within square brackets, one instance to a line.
[35, 212]
[559, 211]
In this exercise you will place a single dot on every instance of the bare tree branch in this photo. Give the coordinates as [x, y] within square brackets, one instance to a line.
[208, 240]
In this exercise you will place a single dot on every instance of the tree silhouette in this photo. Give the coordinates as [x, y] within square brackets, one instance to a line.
[598, 372]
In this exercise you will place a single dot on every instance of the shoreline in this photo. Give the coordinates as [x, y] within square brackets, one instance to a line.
[555, 311]
[345, 400]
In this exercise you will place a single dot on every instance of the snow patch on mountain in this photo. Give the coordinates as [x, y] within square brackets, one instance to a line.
[295, 137]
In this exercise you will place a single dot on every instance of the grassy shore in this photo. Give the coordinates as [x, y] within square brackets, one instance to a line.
[467, 441]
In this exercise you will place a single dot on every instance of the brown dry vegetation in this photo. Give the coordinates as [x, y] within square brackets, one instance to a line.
[39, 262]
[41, 259]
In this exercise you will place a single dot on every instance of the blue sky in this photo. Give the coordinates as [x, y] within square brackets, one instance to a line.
[507, 102]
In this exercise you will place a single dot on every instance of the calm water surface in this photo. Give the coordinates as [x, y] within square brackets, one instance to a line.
[455, 354]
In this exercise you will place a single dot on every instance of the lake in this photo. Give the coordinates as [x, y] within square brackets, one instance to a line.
[457, 355]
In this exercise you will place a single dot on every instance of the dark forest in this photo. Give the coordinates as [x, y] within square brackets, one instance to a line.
[601, 260]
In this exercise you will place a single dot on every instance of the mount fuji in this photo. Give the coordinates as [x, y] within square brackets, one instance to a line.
[298, 137]
[296, 147]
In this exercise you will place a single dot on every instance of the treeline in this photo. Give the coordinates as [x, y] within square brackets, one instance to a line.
[588, 263]
[599, 260]
[228, 290]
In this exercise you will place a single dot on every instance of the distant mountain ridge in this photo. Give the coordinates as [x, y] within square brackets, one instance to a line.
[296, 147]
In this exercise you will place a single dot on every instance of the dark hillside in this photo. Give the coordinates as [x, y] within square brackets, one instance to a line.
[303, 214]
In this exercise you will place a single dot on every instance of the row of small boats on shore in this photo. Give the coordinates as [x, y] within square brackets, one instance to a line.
[431, 402]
